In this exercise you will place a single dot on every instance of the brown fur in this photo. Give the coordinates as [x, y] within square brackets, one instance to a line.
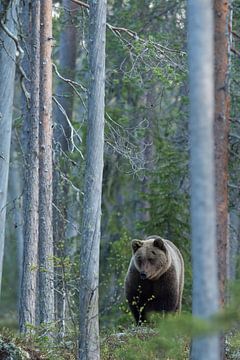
[161, 263]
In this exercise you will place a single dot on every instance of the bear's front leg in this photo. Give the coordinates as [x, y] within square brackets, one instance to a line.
[138, 313]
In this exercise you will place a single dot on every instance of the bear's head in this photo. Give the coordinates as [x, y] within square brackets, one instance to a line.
[151, 257]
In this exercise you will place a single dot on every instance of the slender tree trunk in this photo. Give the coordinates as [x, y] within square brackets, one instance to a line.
[62, 144]
[201, 60]
[27, 311]
[89, 247]
[221, 131]
[46, 288]
[8, 17]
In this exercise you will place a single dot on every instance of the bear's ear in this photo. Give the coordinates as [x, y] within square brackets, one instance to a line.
[136, 244]
[159, 243]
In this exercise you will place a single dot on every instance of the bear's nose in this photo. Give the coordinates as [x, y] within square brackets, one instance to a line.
[143, 275]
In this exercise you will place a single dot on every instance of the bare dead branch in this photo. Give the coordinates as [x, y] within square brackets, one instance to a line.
[117, 30]
[234, 51]
[81, 3]
[73, 131]
[232, 135]
[236, 34]
[19, 60]
[71, 83]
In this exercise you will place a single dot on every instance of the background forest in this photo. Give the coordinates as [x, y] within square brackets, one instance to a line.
[146, 186]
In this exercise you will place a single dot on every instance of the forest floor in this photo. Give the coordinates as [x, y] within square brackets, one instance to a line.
[130, 344]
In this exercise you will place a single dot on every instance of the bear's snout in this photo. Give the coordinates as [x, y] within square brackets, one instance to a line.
[143, 275]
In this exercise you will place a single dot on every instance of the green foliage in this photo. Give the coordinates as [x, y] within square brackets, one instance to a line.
[38, 345]
[169, 337]
[114, 310]
[167, 197]
[46, 339]
[119, 257]
[233, 345]
[8, 350]
[10, 282]
[67, 285]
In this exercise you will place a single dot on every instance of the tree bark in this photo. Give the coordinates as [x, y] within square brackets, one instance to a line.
[27, 311]
[221, 131]
[46, 288]
[9, 20]
[203, 211]
[89, 247]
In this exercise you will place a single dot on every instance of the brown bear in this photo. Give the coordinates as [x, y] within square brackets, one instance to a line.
[155, 278]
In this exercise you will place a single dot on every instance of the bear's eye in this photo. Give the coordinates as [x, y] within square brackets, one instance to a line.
[153, 252]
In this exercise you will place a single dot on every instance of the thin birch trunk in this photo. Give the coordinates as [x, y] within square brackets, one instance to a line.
[8, 30]
[27, 311]
[203, 212]
[46, 272]
[90, 242]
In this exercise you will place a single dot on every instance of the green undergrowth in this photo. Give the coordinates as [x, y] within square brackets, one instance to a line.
[168, 341]
[165, 338]
[142, 343]
[14, 346]
[169, 337]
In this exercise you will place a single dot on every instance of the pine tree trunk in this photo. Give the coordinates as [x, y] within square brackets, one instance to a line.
[90, 242]
[8, 17]
[46, 288]
[203, 217]
[221, 131]
[27, 311]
